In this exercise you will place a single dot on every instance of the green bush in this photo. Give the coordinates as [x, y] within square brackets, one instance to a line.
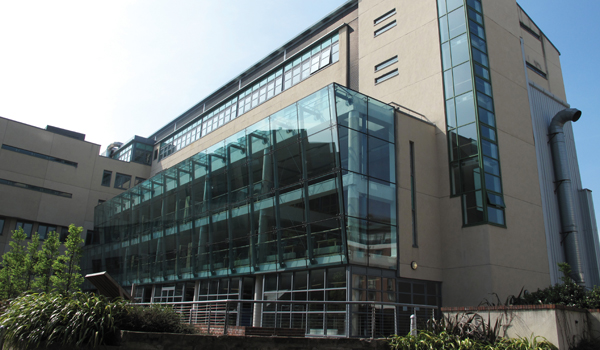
[154, 318]
[567, 293]
[80, 319]
[36, 320]
[426, 340]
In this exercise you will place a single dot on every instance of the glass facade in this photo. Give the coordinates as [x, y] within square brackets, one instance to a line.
[296, 69]
[136, 152]
[313, 183]
[302, 195]
[472, 142]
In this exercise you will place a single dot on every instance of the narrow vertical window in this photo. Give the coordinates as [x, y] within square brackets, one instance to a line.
[1, 225]
[106, 177]
[413, 197]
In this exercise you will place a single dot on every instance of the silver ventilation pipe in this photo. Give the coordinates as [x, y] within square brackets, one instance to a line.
[570, 240]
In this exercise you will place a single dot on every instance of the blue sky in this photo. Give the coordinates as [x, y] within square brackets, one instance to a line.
[113, 69]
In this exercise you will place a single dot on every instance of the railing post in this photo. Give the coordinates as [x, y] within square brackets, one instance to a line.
[413, 325]
[373, 322]
[226, 318]
[209, 315]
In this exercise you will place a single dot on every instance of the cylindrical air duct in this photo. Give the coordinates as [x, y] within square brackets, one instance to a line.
[570, 240]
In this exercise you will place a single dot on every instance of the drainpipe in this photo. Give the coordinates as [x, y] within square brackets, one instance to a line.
[570, 240]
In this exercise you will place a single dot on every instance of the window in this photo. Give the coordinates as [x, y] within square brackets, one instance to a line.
[122, 181]
[106, 177]
[27, 227]
[43, 230]
[386, 63]
[386, 76]
[1, 225]
[385, 28]
[155, 154]
[39, 155]
[64, 233]
[100, 201]
[35, 188]
[138, 180]
[536, 70]
[413, 194]
[384, 17]
[92, 237]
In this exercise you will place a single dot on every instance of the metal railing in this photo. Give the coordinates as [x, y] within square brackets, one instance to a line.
[364, 319]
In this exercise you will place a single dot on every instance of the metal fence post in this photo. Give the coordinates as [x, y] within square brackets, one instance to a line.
[209, 315]
[413, 325]
[226, 318]
[373, 321]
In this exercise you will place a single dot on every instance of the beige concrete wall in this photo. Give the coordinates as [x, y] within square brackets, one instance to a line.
[83, 181]
[427, 252]
[482, 260]
[542, 54]
[563, 327]
[415, 40]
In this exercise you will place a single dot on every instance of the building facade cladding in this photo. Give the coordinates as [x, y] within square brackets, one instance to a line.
[311, 186]
[49, 180]
[473, 145]
[320, 197]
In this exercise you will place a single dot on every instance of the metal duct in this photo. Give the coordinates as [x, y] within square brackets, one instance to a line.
[564, 192]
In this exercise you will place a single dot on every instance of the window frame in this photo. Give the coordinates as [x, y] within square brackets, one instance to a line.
[385, 28]
[387, 76]
[121, 187]
[386, 63]
[109, 173]
[383, 17]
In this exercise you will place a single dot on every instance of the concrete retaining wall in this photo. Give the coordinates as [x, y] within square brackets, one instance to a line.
[561, 325]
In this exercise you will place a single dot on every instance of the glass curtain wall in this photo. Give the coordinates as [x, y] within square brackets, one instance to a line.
[472, 142]
[279, 194]
[367, 155]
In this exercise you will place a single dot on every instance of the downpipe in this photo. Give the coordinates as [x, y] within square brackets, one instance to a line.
[569, 239]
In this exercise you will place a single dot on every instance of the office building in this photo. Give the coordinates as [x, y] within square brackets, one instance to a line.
[395, 151]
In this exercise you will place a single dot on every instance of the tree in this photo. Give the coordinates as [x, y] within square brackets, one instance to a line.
[46, 258]
[12, 282]
[31, 259]
[66, 278]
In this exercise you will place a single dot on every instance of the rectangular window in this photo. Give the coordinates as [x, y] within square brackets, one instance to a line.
[386, 63]
[385, 28]
[122, 181]
[39, 155]
[139, 180]
[1, 225]
[537, 70]
[27, 227]
[64, 233]
[35, 188]
[106, 177]
[413, 193]
[43, 230]
[386, 76]
[530, 31]
[100, 201]
[384, 17]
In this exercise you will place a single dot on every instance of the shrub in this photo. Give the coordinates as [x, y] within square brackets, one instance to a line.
[80, 319]
[426, 340]
[567, 293]
[36, 320]
[154, 318]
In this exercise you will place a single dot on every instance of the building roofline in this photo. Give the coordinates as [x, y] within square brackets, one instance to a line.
[308, 31]
[540, 29]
